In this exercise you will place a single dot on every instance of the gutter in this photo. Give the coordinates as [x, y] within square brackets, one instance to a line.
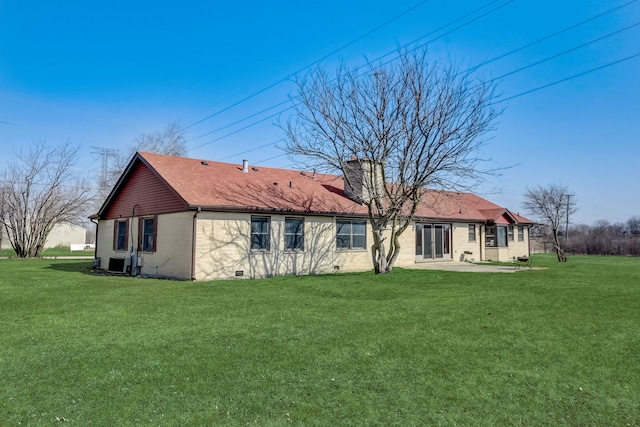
[276, 211]
[193, 243]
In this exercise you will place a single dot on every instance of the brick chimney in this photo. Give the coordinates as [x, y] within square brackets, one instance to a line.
[363, 180]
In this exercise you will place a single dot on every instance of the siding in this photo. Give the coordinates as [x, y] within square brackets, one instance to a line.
[147, 193]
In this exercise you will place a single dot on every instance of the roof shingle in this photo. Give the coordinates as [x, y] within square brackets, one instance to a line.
[224, 186]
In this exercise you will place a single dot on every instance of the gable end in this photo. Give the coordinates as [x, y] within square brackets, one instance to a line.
[145, 192]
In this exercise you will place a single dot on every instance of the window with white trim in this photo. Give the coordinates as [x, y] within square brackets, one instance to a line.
[520, 233]
[147, 234]
[472, 232]
[294, 234]
[351, 234]
[120, 235]
[260, 233]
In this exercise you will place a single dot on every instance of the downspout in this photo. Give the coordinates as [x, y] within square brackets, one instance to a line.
[193, 243]
[134, 251]
[133, 213]
[482, 236]
[96, 263]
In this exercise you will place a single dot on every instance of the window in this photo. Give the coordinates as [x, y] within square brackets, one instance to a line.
[351, 234]
[502, 236]
[147, 234]
[510, 233]
[294, 234]
[520, 233]
[120, 234]
[472, 232]
[491, 236]
[260, 226]
[496, 236]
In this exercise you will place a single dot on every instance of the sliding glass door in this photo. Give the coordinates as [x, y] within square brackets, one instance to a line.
[433, 241]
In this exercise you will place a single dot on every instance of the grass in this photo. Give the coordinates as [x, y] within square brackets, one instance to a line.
[50, 252]
[557, 347]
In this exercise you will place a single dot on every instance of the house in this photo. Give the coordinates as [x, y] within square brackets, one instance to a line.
[63, 234]
[200, 220]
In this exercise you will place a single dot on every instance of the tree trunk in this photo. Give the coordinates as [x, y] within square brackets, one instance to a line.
[379, 255]
[556, 245]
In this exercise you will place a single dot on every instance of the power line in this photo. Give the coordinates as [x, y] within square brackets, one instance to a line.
[375, 60]
[270, 158]
[253, 149]
[570, 78]
[239, 121]
[42, 184]
[430, 41]
[284, 79]
[484, 63]
[547, 85]
[562, 53]
[241, 129]
[418, 46]
[528, 45]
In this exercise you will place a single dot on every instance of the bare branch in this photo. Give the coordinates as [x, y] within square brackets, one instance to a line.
[392, 132]
[552, 205]
[40, 191]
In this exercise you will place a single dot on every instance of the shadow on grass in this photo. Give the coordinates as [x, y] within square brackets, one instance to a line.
[73, 267]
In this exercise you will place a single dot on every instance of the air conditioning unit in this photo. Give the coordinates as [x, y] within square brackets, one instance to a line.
[117, 265]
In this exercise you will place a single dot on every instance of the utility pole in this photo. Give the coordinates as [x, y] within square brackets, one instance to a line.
[104, 153]
[566, 226]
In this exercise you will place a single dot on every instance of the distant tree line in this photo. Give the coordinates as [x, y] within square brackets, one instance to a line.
[601, 238]
[605, 238]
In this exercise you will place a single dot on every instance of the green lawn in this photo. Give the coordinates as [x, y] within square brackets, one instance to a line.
[554, 347]
[51, 252]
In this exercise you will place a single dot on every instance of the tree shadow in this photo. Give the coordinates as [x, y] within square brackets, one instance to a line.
[300, 193]
[225, 248]
[229, 254]
[85, 266]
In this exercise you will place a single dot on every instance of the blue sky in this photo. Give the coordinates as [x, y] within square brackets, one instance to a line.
[101, 73]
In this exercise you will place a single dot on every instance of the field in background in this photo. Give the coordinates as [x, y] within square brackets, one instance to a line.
[559, 346]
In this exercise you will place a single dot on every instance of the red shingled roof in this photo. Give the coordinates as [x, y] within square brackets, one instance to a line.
[224, 186]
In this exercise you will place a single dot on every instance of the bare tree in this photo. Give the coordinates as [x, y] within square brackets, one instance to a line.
[633, 225]
[552, 205]
[169, 140]
[40, 191]
[392, 131]
[604, 238]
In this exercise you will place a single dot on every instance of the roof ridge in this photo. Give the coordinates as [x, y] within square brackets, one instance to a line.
[145, 154]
